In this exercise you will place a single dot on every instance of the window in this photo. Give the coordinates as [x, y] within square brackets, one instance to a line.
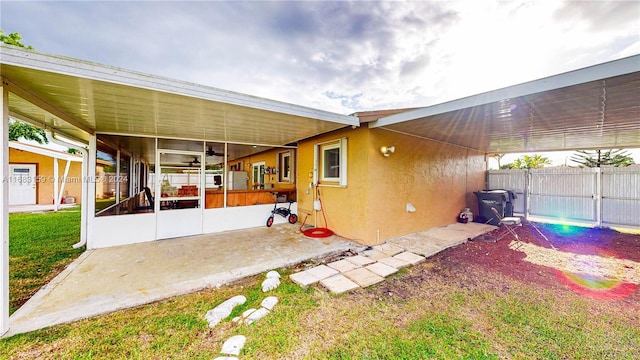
[285, 167]
[258, 175]
[331, 162]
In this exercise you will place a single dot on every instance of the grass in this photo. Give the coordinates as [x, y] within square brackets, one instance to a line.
[435, 319]
[431, 310]
[39, 248]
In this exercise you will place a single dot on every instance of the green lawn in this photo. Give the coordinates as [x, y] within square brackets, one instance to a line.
[39, 248]
[431, 310]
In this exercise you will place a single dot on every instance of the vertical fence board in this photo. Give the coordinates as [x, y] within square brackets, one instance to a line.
[572, 194]
[621, 196]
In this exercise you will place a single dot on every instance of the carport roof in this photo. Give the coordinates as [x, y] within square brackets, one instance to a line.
[593, 107]
[79, 98]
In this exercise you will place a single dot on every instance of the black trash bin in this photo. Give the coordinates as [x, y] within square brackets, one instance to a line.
[499, 199]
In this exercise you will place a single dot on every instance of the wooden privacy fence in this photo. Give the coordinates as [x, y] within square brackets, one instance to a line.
[607, 196]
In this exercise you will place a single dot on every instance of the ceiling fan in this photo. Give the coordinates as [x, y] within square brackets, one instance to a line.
[195, 161]
[211, 152]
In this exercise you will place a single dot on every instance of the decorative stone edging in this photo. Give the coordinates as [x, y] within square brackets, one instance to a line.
[233, 345]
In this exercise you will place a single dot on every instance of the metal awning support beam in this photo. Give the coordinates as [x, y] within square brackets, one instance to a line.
[4, 210]
[36, 100]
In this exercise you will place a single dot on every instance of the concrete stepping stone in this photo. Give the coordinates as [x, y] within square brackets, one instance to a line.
[270, 284]
[247, 312]
[303, 278]
[374, 254]
[226, 358]
[338, 284]
[363, 277]
[343, 265]
[273, 274]
[389, 249]
[256, 315]
[233, 345]
[269, 302]
[410, 257]
[313, 275]
[394, 262]
[381, 269]
[322, 272]
[215, 315]
[360, 260]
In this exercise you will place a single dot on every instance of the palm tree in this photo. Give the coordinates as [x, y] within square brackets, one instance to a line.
[535, 161]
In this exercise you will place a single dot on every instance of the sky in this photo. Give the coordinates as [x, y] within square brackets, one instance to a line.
[338, 56]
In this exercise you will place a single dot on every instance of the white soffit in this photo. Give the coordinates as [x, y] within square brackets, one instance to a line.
[111, 100]
[594, 107]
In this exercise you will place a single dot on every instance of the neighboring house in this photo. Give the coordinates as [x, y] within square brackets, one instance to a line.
[32, 174]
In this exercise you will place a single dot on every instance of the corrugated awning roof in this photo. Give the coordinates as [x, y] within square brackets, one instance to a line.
[78, 98]
[594, 107]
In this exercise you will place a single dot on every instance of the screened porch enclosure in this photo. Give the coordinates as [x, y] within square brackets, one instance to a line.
[157, 188]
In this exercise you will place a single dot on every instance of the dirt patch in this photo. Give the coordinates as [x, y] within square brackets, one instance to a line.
[598, 263]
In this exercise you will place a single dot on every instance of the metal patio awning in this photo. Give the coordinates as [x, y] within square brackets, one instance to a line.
[78, 98]
[594, 107]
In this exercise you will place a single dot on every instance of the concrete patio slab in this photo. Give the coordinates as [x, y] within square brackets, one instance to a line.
[432, 241]
[363, 277]
[338, 284]
[105, 280]
[381, 269]
[343, 265]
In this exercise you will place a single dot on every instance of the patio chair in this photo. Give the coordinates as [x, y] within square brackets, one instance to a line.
[149, 197]
[508, 223]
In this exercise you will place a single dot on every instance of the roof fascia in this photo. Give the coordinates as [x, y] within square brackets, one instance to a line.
[16, 56]
[592, 73]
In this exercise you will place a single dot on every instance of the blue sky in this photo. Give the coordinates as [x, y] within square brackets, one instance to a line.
[337, 56]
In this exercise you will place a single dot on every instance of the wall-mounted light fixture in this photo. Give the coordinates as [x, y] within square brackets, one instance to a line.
[387, 150]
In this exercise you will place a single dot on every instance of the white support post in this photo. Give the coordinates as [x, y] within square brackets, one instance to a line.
[56, 180]
[64, 182]
[598, 196]
[118, 177]
[4, 211]
[89, 202]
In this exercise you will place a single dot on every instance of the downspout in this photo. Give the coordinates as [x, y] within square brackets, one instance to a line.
[85, 161]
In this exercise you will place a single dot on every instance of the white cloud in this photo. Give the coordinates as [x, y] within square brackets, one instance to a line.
[338, 56]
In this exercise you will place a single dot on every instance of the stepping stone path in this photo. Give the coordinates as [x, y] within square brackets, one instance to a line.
[233, 345]
[366, 269]
[353, 272]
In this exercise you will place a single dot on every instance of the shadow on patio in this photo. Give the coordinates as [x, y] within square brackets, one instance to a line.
[105, 280]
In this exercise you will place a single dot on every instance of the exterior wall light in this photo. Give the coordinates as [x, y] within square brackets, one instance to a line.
[387, 150]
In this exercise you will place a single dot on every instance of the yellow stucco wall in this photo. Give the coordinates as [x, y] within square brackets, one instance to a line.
[346, 209]
[437, 179]
[44, 171]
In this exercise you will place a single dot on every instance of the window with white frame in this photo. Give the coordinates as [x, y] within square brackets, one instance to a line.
[331, 162]
[285, 167]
